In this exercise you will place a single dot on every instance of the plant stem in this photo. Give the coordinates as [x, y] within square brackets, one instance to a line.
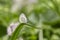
[40, 24]
[40, 31]
[40, 34]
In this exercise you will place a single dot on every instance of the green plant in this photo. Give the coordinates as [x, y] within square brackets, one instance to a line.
[45, 17]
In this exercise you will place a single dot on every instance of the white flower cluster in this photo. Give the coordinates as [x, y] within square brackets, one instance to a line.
[11, 28]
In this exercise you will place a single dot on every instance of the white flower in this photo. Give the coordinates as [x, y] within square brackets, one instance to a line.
[23, 18]
[11, 28]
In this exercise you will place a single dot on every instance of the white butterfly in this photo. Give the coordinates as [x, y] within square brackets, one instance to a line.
[22, 18]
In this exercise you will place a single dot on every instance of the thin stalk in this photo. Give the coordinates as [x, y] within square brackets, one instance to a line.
[40, 24]
[40, 31]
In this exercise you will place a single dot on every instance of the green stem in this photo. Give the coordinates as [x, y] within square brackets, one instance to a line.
[18, 29]
[41, 32]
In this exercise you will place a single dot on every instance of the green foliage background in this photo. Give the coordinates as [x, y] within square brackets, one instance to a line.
[46, 10]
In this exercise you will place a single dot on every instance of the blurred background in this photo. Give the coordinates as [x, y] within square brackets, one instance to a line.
[48, 11]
